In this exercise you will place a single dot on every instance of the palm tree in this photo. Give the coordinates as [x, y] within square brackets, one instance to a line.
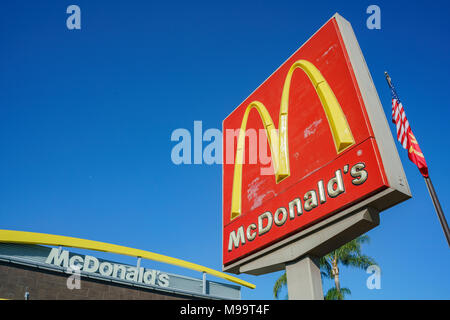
[349, 255]
[333, 294]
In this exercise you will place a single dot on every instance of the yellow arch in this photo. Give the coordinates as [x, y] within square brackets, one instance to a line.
[278, 141]
[23, 237]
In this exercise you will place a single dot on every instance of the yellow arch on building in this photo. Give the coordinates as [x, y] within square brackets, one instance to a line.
[278, 141]
[23, 237]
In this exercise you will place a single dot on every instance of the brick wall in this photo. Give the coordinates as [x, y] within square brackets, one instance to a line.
[49, 285]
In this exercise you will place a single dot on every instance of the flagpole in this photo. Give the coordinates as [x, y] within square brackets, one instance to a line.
[430, 187]
[438, 208]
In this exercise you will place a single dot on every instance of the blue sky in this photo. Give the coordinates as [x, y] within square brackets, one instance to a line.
[86, 118]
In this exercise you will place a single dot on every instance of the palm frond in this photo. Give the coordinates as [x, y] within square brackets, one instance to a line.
[334, 294]
[279, 284]
[358, 261]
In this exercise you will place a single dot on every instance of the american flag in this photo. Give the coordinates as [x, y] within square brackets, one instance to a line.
[409, 142]
[404, 133]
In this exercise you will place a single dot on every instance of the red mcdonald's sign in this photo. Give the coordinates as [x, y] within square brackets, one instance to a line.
[325, 149]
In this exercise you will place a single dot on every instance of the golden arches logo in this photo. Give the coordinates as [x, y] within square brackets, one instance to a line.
[278, 141]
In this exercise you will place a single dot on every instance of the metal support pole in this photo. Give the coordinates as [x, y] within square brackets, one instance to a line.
[138, 268]
[303, 279]
[204, 283]
[438, 208]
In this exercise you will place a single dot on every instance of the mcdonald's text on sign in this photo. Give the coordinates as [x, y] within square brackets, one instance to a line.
[295, 208]
[324, 149]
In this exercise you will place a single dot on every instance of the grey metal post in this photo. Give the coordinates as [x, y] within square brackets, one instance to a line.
[138, 267]
[204, 282]
[303, 279]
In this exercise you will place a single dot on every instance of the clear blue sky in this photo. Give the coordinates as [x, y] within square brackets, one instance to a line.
[86, 118]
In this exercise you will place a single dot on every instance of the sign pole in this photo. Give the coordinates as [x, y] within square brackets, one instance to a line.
[303, 279]
[438, 208]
